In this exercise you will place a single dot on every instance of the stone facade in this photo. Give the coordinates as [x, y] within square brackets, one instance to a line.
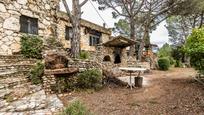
[103, 52]
[10, 12]
[64, 21]
[51, 23]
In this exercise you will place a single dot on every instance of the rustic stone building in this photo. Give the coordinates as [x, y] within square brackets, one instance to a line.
[17, 17]
[42, 18]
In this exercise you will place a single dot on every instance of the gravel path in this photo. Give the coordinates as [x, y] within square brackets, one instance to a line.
[166, 93]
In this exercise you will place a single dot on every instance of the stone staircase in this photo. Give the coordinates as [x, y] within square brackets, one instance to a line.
[14, 70]
[17, 94]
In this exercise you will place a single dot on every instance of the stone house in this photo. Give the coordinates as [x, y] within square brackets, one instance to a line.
[43, 18]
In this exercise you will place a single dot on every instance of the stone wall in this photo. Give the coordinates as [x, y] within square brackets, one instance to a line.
[51, 23]
[10, 12]
[62, 23]
[50, 81]
[103, 51]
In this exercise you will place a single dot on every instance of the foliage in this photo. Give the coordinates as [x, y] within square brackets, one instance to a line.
[164, 64]
[84, 55]
[165, 51]
[64, 84]
[89, 79]
[31, 46]
[122, 27]
[195, 49]
[178, 63]
[178, 53]
[36, 73]
[171, 60]
[76, 108]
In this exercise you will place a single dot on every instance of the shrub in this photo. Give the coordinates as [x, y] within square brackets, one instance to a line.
[31, 46]
[84, 55]
[171, 60]
[164, 64]
[195, 49]
[64, 84]
[36, 73]
[76, 108]
[90, 79]
[178, 63]
[165, 51]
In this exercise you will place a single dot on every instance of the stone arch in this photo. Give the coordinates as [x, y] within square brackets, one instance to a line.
[107, 58]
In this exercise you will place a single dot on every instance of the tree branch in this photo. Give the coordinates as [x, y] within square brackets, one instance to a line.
[126, 7]
[114, 8]
[68, 11]
[84, 2]
[135, 13]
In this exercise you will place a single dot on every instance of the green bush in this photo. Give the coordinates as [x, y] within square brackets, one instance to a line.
[164, 64]
[36, 73]
[84, 55]
[64, 84]
[76, 108]
[31, 46]
[178, 63]
[194, 47]
[171, 60]
[90, 79]
[165, 51]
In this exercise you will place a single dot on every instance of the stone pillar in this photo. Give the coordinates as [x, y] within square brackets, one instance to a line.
[49, 81]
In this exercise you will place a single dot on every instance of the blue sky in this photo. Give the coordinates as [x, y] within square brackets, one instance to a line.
[159, 36]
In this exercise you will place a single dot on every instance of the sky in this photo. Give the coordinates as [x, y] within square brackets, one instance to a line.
[159, 36]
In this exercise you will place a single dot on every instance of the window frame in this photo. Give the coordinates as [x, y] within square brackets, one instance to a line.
[94, 40]
[29, 25]
[68, 33]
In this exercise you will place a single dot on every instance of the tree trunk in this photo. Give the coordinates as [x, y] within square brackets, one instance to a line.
[142, 44]
[75, 41]
[132, 36]
[201, 20]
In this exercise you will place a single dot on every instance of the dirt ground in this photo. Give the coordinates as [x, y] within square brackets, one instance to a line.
[165, 93]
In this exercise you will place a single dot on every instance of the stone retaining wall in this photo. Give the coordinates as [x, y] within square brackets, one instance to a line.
[49, 81]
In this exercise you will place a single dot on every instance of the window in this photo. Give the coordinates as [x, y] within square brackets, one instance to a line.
[68, 33]
[94, 40]
[28, 25]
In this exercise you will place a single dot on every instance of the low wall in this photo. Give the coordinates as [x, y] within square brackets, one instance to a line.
[50, 80]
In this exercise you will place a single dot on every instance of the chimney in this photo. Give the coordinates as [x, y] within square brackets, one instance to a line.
[104, 25]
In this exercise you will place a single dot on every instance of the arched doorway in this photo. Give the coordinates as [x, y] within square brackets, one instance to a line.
[117, 54]
[107, 58]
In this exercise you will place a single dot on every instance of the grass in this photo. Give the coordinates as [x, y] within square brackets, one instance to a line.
[76, 108]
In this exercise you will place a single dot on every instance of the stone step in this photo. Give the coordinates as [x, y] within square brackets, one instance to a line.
[18, 67]
[4, 92]
[17, 61]
[2, 57]
[13, 73]
[13, 81]
[35, 101]
[10, 81]
[3, 103]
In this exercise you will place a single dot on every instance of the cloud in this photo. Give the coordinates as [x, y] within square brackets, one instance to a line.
[160, 35]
